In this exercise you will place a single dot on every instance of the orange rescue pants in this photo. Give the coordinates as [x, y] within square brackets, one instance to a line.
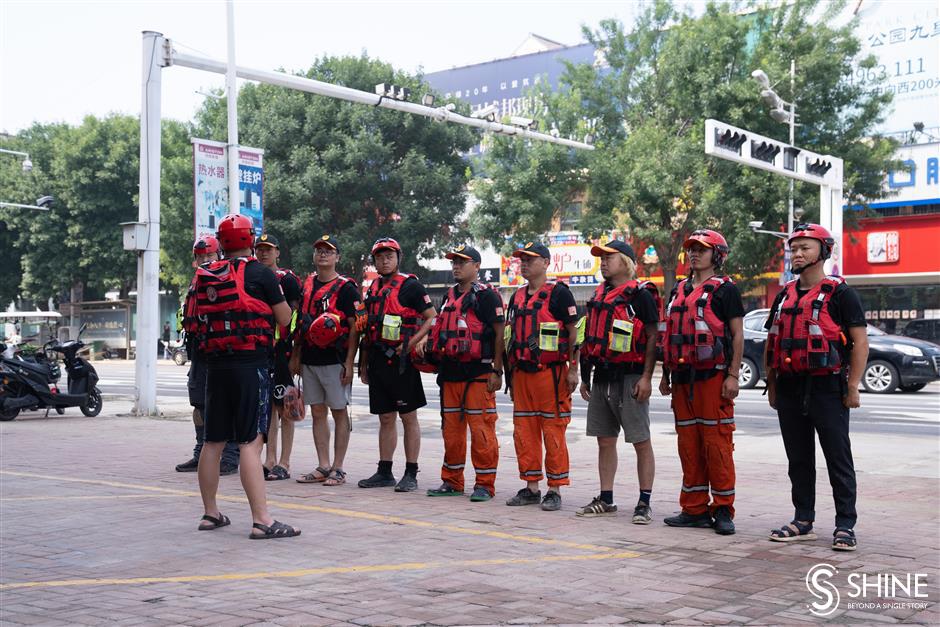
[705, 424]
[468, 403]
[536, 417]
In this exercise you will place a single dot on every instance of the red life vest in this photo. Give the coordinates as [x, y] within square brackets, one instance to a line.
[390, 323]
[190, 319]
[650, 287]
[234, 321]
[458, 333]
[694, 336]
[538, 338]
[803, 338]
[324, 300]
[614, 335]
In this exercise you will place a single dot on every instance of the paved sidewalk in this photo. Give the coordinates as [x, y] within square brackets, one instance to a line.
[97, 528]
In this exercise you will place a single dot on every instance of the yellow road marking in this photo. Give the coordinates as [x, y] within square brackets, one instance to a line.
[381, 518]
[327, 570]
[90, 497]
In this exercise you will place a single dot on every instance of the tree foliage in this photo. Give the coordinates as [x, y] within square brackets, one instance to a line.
[663, 77]
[356, 172]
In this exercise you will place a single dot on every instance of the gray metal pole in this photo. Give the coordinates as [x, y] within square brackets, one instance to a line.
[148, 260]
[231, 91]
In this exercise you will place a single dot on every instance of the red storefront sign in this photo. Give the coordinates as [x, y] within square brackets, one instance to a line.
[893, 246]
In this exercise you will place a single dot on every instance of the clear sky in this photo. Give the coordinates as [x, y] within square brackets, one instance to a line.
[60, 61]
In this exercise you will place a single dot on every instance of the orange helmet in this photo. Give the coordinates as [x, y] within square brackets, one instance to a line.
[816, 232]
[235, 232]
[386, 243]
[206, 245]
[709, 239]
[325, 330]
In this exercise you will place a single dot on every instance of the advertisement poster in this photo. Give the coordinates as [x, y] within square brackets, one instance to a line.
[210, 185]
[571, 262]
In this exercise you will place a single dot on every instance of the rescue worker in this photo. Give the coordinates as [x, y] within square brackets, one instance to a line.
[400, 316]
[703, 342]
[543, 361]
[467, 343]
[331, 314]
[816, 351]
[620, 347]
[277, 468]
[205, 250]
[239, 301]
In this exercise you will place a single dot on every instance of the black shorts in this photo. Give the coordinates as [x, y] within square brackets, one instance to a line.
[282, 376]
[238, 403]
[391, 391]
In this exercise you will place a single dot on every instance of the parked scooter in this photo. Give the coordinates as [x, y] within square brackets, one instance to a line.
[32, 385]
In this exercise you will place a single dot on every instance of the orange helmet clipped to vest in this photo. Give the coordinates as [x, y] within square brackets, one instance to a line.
[710, 239]
[325, 330]
[816, 232]
[206, 245]
[235, 232]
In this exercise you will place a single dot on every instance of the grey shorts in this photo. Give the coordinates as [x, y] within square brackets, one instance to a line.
[612, 406]
[322, 386]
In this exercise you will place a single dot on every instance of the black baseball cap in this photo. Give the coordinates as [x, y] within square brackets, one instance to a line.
[533, 249]
[326, 241]
[465, 252]
[266, 239]
[614, 246]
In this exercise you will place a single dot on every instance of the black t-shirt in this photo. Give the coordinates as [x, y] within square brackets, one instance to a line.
[561, 304]
[291, 287]
[261, 283]
[727, 304]
[644, 308]
[346, 299]
[489, 309]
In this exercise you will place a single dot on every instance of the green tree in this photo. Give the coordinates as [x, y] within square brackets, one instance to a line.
[668, 73]
[354, 171]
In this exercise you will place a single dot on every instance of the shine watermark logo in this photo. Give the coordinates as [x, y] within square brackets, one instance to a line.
[878, 591]
[826, 594]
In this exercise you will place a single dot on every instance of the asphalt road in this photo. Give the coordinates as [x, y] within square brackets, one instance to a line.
[909, 414]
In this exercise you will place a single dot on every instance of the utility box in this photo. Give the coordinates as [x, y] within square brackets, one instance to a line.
[135, 235]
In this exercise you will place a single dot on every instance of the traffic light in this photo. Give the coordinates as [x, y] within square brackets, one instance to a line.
[764, 151]
[730, 140]
[392, 91]
[819, 167]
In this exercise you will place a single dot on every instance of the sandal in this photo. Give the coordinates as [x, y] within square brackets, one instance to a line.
[794, 531]
[337, 477]
[221, 521]
[276, 530]
[319, 475]
[844, 539]
[278, 473]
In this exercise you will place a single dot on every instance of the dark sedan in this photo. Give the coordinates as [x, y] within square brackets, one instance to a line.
[894, 361]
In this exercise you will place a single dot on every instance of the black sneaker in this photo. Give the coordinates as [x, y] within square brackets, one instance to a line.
[480, 494]
[724, 526]
[226, 468]
[445, 490]
[378, 480]
[685, 519]
[642, 514]
[597, 507]
[191, 466]
[408, 483]
[552, 501]
[525, 496]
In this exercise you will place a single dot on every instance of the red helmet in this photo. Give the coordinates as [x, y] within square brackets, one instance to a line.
[423, 364]
[386, 243]
[206, 245]
[325, 330]
[235, 232]
[709, 239]
[816, 232]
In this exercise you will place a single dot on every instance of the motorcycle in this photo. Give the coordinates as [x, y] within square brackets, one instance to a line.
[27, 384]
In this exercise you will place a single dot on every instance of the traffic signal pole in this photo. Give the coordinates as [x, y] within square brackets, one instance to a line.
[741, 146]
[158, 53]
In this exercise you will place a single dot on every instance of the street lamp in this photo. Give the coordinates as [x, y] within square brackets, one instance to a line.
[756, 225]
[27, 164]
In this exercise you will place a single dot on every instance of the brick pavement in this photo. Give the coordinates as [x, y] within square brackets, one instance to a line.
[96, 528]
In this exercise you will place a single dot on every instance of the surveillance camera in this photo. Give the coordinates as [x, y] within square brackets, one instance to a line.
[798, 213]
[488, 112]
[27, 165]
[45, 202]
[518, 120]
[761, 77]
[756, 224]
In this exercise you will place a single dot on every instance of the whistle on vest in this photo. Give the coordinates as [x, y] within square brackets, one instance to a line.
[549, 332]
[620, 338]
